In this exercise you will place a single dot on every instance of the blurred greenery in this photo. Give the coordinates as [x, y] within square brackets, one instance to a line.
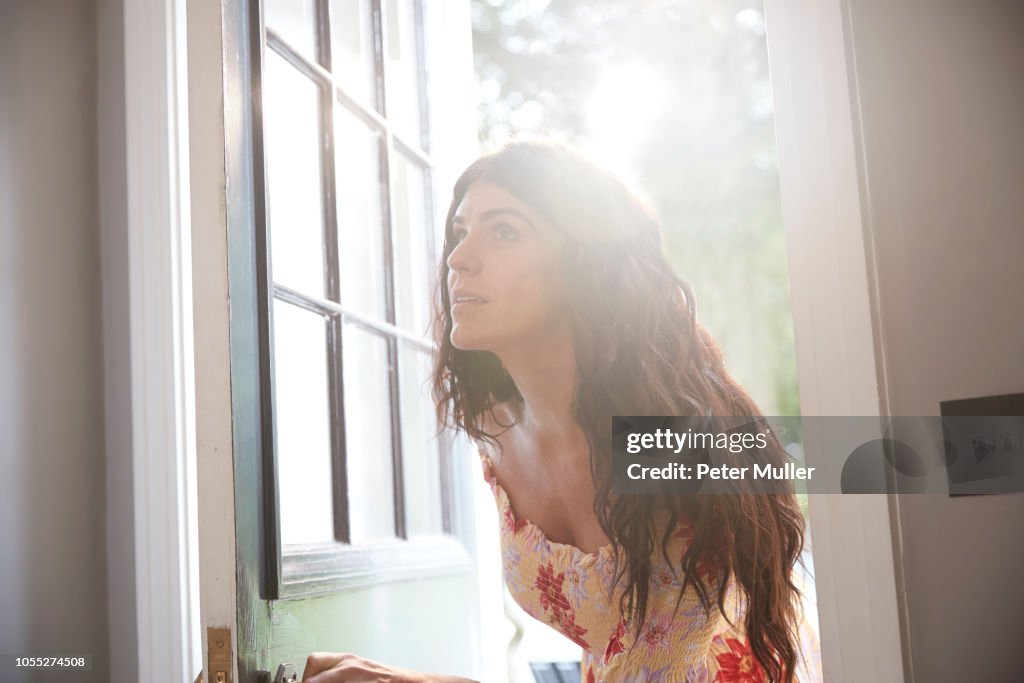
[676, 94]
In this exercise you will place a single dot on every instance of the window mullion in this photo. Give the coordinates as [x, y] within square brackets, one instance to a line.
[388, 212]
[335, 323]
[423, 87]
[421, 74]
[271, 547]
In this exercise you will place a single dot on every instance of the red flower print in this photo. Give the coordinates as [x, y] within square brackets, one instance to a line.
[739, 665]
[511, 523]
[663, 578]
[707, 569]
[550, 586]
[552, 597]
[655, 635]
[615, 645]
[684, 529]
[590, 676]
[566, 621]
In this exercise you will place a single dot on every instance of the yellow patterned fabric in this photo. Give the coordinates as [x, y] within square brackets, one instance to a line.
[571, 591]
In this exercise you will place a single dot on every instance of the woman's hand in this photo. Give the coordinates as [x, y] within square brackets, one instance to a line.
[331, 667]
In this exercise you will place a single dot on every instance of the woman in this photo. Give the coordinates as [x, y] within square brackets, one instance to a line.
[557, 309]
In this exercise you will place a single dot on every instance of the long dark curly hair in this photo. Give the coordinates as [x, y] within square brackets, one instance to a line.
[639, 350]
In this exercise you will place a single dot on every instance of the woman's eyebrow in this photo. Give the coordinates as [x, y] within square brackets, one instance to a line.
[493, 213]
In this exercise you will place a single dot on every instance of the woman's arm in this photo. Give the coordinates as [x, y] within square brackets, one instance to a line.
[333, 667]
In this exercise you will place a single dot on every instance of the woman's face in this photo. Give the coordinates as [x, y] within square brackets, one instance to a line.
[505, 279]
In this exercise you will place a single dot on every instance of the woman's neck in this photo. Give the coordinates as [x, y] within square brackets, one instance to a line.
[545, 375]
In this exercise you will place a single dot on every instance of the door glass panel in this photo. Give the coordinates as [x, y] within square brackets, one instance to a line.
[295, 22]
[368, 435]
[360, 220]
[302, 420]
[352, 58]
[403, 65]
[294, 197]
[412, 272]
[420, 462]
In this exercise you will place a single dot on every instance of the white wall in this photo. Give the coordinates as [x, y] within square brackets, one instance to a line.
[53, 595]
[941, 93]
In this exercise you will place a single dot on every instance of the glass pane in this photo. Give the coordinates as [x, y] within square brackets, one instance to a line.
[420, 447]
[368, 435]
[413, 283]
[302, 419]
[360, 222]
[352, 49]
[403, 64]
[291, 123]
[295, 22]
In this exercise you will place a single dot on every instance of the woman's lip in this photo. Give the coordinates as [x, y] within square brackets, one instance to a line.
[459, 305]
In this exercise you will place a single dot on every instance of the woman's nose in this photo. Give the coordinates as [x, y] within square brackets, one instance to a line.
[462, 256]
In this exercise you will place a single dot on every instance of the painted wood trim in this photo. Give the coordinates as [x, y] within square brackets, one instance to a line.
[160, 312]
[839, 363]
[314, 570]
[214, 446]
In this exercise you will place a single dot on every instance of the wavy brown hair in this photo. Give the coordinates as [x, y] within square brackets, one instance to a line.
[639, 350]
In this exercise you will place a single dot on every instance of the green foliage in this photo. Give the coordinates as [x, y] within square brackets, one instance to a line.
[699, 137]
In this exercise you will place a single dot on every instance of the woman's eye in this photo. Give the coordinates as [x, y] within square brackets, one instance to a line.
[505, 231]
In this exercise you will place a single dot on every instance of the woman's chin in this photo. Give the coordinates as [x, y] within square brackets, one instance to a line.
[463, 340]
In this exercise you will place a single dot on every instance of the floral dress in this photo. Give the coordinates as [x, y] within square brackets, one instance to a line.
[571, 591]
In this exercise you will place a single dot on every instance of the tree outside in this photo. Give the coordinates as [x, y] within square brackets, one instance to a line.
[675, 96]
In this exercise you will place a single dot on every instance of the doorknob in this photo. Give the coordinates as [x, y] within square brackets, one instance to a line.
[286, 674]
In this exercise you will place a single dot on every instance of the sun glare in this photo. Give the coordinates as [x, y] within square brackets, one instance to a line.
[624, 102]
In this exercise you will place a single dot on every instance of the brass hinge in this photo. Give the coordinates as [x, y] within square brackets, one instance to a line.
[218, 645]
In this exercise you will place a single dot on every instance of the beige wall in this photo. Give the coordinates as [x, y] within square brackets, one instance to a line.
[113, 236]
[53, 594]
[941, 93]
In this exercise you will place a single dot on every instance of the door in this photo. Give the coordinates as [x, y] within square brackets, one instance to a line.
[332, 516]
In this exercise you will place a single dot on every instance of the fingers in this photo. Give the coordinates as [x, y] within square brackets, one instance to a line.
[322, 661]
[334, 667]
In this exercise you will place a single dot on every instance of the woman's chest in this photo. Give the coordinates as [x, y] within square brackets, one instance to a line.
[558, 499]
